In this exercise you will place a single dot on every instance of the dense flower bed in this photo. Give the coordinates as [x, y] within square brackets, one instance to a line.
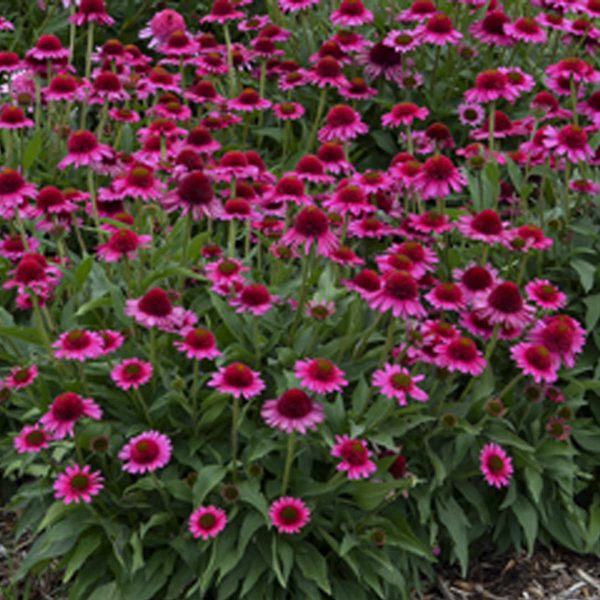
[296, 293]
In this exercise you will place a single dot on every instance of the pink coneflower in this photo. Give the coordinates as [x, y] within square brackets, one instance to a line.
[471, 114]
[293, 411]
[146, 452]
[504, 306]
[131, 373]
[84, 150]
[349, 198]
[369, 227]
[461, 354]
[48, 48]
[296, 5]
[19, 378]
[396, 382]
[485, 226]
[77, 484]
[310, 168]
[207, 522]
[333, 158]
[420, 10]
[254, 298]
[429, 222]
[438, 178]
[492, 29]
[78, 344]
[63, 87]
[558, 428]
[571, 141]
[51, 201]
[545, 295]
[154, 309]
[404, 113]
[33, 273]
[194, 194]
[179, 44]
[405, 40]
[526, 29]
[221, 12]
[591, 108]
[13, 117]
[91, 11]
[475, 279]
[138, 182]
[32, 439]
[399, 293]
[327, 71]
[355, 457]
[289, 515]
[536, 360]
[234, 164]
[344, 255]
[562, 335]
[122, 244]
[226, 271]
[66, 409]
[238, 380]
[248, 101]
[288, 111]
[496, 465]
[6, 25]
[490, 86]
[161, 26]
[14, 190]
[198, 343]
[111, 340]
[357, 89]
[446, 296]
[107, 87]
[320, 375]
[532, 237]
[311, 226]
[343, 123]
[320, 310]
[351, 13]
[9, 62]
[439, 31]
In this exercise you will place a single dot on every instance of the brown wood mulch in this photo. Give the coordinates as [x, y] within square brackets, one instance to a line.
[547, 575]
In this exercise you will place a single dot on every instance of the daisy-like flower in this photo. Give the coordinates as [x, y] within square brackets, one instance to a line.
[311, 226]
[485, 226]
[289, 515]
[138, 182]
[490, 86]
[19, 378]
[122, 244]
[349, 198]
[562, 335]
[475, 279]
[504, 306]
[333, 157]
[84, 150]
[78, 344]
[77, 484]
[14, 191]
[355, 457]
[48, 48]
[131, 373]
[545, 294]
[405, 40]
[13, 248]
[288, 111]
[320, 310]
[254, 298]
[471, 114]
[249, 101]
[438, 178]
[111, 341]
[238, 380]
[296, 5]
[327, 71]
[320, 375]
[146, 452]
[154, 309]
[293, 411]
[404, 113]
[491, 29]
[91, 11]
[198, 343]
[495, 465]
[396, 382]
[460, 354]
[13, 117]
[536, 360]
[571, 141]
[558, 428]
[342, 123]
[32, 439]
[207, 522]
[161, 26]
[66, 409]
[357, 89]
[526, 29]
[446, 296]
[310, 168]
[439, 31]
[351, 13]
[221, 12]
[399, 293]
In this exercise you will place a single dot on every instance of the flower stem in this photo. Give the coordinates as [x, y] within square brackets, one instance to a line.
[320, 109]
[303, 290]
[234, 436]
[288, 462]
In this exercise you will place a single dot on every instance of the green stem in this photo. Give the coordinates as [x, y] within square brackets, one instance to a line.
[389, 341]
[320, 109]
[303, 290]
[288, 462]
[234, 436]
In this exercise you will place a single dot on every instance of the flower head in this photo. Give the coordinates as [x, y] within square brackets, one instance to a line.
[146, 452]
[294, 410]
[355, 457]
[289, 515]
[238, 380]
[496, 465]
[207, 522]
[77, 484]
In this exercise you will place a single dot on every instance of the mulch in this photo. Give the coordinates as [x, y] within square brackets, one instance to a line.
[547, 575]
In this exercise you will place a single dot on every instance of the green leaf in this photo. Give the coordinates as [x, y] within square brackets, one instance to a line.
[593, 311]
[370, 495]
[535, 483]
[528, 519]
[250, 494]
[586, 272]
[454, 520]
[82, 552]
[32, 151]
[108, 591]
[385, 141]
[208, 477]
[25, 334]
[313, 566]
[83, 270]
